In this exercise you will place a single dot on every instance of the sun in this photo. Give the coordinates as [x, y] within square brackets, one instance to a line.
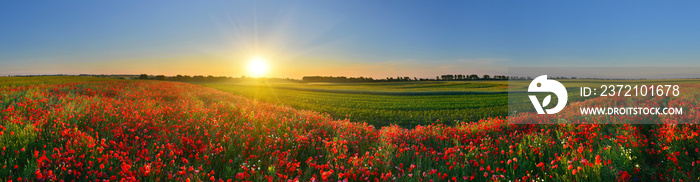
[258, 67]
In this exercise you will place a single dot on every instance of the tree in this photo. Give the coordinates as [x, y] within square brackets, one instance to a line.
[486, 77]
[143, 77]
[500, 77]
[160, 77]
[447, 77]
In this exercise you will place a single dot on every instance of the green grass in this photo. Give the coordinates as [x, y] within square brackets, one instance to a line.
[381, 104]
[423, 86]
[407, 103]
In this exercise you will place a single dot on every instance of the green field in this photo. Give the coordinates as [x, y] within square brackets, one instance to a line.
[403, 103]
[381, 104]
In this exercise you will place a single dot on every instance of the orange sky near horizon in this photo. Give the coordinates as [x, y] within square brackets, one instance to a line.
[279, 67]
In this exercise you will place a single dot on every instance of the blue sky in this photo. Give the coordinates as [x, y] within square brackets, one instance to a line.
[351, 38]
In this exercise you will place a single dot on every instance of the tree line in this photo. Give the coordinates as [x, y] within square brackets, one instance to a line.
[186, 78]
[448, 77]
[199, 78]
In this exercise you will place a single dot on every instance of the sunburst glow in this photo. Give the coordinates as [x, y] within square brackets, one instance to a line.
[258, 67]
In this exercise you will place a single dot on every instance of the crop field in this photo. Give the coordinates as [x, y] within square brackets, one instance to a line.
[382, 104]
[406, 104]
[91, 129]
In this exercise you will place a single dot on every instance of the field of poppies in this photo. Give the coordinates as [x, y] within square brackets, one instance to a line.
[81, 128]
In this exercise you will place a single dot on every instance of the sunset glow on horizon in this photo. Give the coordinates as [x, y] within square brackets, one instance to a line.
[339, 38]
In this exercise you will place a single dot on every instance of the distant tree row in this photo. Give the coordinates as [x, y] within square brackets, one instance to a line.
[186, 78]
[335, 79]
[404, 78]
[448, 77]
[38, 75]
[471, 77]
[210, 78]
[201, 78]
[398, 78]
